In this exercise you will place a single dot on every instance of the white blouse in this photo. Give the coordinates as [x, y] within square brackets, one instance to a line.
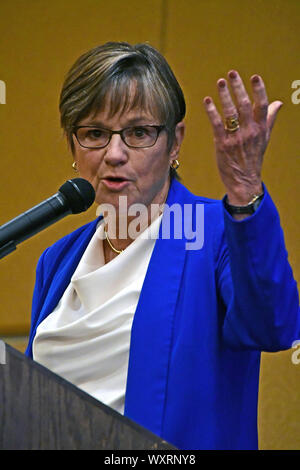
[86, 339]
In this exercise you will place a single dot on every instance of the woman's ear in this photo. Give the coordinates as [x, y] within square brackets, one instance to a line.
[178, 138]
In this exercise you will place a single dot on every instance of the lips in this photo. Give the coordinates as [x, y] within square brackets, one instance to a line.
[115, 183]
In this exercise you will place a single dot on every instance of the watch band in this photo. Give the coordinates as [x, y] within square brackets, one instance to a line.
[248, 209]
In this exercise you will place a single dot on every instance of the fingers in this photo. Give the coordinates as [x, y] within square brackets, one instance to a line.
[243, 109]
[237, 102]
[244, 106]
[272, 113]
[260, 98]
[228, 106]
[214, 117]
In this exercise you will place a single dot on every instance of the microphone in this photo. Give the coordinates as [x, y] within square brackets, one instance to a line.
[73, 197]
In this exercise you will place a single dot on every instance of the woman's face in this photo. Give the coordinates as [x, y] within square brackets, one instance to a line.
[144, 171]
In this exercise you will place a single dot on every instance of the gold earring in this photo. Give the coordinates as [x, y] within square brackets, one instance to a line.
[175, 164]
[74, 166]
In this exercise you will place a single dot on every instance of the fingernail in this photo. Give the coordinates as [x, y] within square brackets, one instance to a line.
[222, 83]
[255, 79]
[232, 74]
[207, 100]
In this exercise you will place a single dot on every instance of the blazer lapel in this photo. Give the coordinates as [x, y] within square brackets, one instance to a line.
[151, 335]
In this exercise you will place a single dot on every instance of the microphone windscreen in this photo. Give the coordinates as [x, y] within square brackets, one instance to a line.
[79, 194]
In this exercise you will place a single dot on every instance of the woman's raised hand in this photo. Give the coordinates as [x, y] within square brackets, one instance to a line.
[242, 136]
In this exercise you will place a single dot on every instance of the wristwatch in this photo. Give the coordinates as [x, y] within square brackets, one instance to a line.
[248, 209]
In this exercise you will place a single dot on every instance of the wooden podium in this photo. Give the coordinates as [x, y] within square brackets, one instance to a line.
[40, 410]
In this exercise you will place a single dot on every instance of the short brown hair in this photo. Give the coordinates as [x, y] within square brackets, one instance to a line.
[107, 72]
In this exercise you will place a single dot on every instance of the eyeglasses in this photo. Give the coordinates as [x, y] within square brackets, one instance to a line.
[93, 137]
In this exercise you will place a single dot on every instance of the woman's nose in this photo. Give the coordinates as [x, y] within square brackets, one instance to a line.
[116, 152]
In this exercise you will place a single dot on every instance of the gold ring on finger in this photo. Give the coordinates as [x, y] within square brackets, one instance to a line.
[232, 123]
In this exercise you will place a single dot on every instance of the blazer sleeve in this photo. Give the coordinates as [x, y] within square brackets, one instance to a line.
[257, 283]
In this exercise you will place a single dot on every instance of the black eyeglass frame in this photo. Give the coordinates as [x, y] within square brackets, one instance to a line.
[159, 129]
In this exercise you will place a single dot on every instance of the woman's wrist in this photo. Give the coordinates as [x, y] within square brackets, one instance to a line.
[244, 196]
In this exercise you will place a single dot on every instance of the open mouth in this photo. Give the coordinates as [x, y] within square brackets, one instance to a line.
[115, 183]
[116, 179]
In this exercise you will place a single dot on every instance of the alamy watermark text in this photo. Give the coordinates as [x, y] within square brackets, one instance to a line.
[296, 94]
[178, 222]
[2, 352]
[296, 354]
[2, 92]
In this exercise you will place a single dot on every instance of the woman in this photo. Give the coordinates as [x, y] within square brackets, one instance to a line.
[169, 336]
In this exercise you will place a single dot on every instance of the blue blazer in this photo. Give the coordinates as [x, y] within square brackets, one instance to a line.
[202, 319]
